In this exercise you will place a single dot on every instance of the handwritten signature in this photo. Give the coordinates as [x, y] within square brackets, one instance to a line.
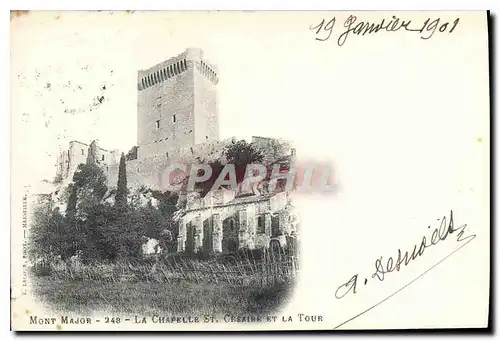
[324, 29]
[383, 267]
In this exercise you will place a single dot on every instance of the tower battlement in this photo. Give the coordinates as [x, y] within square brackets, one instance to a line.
[177, 104]
[175, 66]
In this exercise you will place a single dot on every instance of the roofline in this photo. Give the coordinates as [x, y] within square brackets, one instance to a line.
[85, 144]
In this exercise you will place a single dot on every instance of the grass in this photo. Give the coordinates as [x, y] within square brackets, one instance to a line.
[147, 298]
[238, 285]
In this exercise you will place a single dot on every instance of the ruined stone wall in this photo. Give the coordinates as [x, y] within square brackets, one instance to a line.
[245, 211]
[78, 152]
[148, 172]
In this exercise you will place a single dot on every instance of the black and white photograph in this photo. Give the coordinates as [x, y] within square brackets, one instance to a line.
[249, 170]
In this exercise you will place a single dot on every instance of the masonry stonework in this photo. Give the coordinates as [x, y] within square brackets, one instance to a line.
[177, 122]
[177, 105]
[78, 152]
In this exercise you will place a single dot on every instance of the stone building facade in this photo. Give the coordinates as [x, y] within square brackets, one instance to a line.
[79, 152]
[177, 122]
[221, 222]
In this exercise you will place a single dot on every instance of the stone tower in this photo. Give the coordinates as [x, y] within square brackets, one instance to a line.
[177, 105]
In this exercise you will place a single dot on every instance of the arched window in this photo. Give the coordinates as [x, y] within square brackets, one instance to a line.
[275, 225]
[231, 224]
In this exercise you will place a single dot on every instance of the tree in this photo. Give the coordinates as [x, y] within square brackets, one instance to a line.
[100, 229]
[72, 199]
[241, 154]
[90, 179]
[43, 240]
[168, 230]
[58, 179]
[91, 187]
[121, 190]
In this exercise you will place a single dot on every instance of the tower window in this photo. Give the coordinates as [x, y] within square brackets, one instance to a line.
[102, 158]
[174, 119]
[157, 124]
[83, 152]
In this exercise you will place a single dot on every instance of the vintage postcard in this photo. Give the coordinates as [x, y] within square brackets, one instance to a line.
[243, 171]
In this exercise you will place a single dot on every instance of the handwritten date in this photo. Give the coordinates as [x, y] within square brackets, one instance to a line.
[324, 29]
